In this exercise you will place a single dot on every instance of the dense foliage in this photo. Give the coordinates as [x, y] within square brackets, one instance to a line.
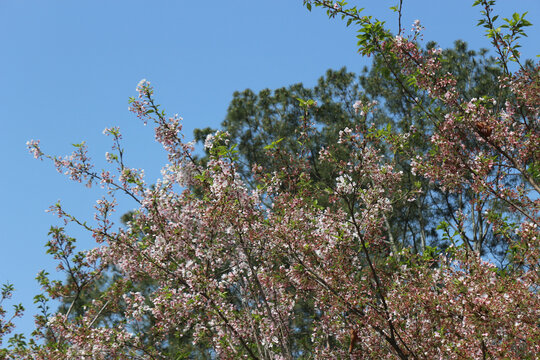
[406, 227]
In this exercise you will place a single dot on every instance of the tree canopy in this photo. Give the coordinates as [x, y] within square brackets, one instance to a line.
[391, 215]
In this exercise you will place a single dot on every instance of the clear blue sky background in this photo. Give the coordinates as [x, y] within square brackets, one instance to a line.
[68, 67]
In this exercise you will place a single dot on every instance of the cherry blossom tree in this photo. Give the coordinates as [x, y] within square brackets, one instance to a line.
[229, 262]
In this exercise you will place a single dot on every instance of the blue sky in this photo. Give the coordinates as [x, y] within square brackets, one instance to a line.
[69, 67]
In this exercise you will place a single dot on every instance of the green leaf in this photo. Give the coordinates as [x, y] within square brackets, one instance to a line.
[273, 144]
